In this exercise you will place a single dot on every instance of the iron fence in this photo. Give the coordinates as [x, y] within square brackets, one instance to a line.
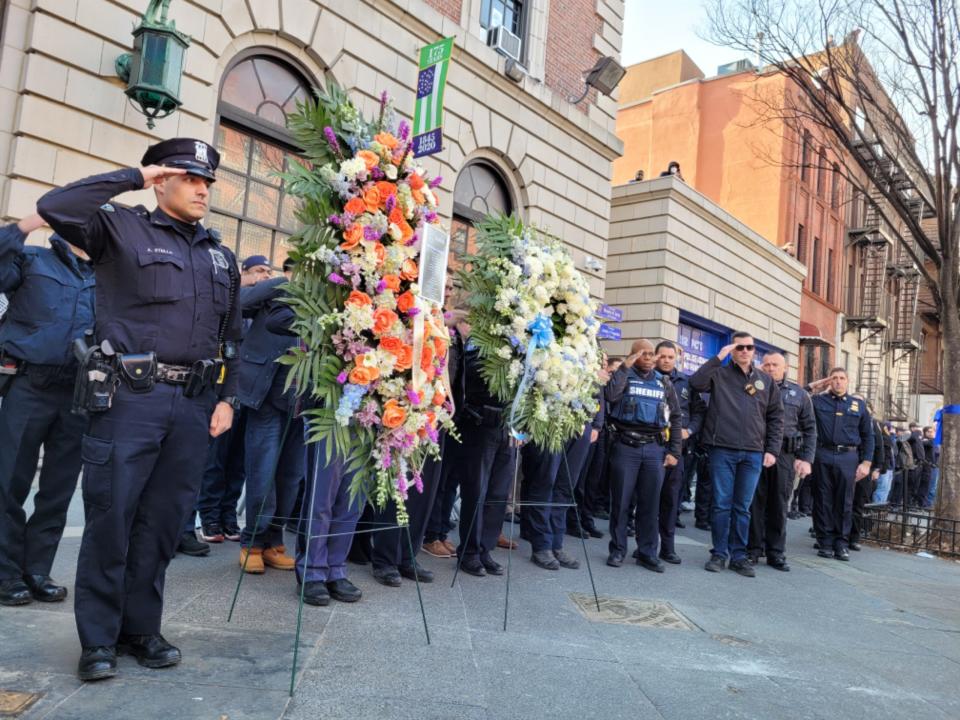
[912, 530]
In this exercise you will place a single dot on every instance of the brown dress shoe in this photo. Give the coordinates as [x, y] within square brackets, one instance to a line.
[437, 549]
[502, 542]
[451, 548]
[276, 557]
[251, 560]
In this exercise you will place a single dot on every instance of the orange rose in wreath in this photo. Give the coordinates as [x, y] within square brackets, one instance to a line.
[387, 140]
[409, 270]
[438, 397]
[362, 375]
[404, 358]
[352, 236]
[372, 198]
[393, 414]
[405, 301]
[383, 320]
[355, 206]
[358, 298]
[392, 282]
[370, 159]
[386, 189]
[392, 345]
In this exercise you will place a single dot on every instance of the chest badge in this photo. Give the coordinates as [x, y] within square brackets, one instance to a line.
[792, 393]
[855, 406]
[759, 385]
[219, 260]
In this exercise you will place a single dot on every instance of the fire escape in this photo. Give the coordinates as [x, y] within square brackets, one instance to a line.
[887, 322]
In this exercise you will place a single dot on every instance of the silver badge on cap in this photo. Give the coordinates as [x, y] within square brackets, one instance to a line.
[201, 152]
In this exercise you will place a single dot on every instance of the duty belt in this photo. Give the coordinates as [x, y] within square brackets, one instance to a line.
[635, 439]
[839, 448]
[173, 374]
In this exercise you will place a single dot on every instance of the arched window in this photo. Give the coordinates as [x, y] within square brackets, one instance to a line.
[248, 203]
[480, 191]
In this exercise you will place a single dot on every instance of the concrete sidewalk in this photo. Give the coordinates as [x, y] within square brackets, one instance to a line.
[875, 638]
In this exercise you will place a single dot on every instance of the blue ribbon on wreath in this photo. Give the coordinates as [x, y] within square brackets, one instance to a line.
[541, 335]
[938, 418]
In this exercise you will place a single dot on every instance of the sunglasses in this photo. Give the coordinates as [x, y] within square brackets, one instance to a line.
[741, 348]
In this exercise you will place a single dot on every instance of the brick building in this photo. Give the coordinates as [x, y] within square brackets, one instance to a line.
[508, 145]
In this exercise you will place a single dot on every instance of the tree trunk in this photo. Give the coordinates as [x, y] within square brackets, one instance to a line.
[948, 493]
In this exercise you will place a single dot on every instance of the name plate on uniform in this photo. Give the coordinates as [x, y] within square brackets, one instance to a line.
[434, 252]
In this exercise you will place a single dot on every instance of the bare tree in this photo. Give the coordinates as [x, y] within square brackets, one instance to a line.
[881, 82]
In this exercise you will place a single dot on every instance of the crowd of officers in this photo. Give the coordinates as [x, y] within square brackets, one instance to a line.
[136, 347]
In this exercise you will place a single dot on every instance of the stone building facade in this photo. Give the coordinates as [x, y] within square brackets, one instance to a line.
[516, 146]
[684, 269]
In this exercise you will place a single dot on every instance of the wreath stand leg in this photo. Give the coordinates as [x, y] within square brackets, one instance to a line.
[473, 520]
[506, 599]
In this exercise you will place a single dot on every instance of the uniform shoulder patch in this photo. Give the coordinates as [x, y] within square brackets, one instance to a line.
[107, 207]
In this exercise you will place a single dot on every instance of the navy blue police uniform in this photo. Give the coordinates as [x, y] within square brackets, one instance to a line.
[51, 305]
[488, 459]
[771, 502]
[166, 304]
[691, 415]
[844, 440]
[642, 408]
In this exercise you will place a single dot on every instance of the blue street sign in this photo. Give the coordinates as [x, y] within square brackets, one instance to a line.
[609, 332]
[607, 312]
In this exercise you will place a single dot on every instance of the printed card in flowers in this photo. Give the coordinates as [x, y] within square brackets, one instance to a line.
[373, 353]
[532, 320]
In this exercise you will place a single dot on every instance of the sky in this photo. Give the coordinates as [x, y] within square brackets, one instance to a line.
[657, 27]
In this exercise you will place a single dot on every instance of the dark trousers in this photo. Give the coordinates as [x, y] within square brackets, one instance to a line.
[596, 494]
[487, 463]
[274, 471]
[569, 486]
[635, 469]
[703, 500]
[862, 494]
[328, 519]
[833, 474]
[391, 548]
[768, 513]
[223, 478]
[670, 504]
[895, 498]
[803, 495]
[923, 486]
[143, 460]
[579, 516]
[537, 519]
[438, 522]
[31, 417]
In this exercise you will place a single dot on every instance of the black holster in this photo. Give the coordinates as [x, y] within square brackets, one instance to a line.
[203, 374]
[97, 379]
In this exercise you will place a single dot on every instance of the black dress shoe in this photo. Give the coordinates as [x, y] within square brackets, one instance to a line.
[97, 663]
[592, 531]
[855, 546]
[151, 651]
[388, 576]
[651, 563]
[189, 545]
[44, 589]
[14, 592]
[344, 590]
[702, 526]
[615, 560]
[490, 565]
[824, 553]
[315, 593]
[415, 572]
[842, 554]
[473, 566]
[545, 560]
[670, 557]
[742, 567]
[778, 563]
[566, 560]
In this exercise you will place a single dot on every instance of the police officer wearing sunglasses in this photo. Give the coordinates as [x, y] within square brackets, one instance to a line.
[158, 378]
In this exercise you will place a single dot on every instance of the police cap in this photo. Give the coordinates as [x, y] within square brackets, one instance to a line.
[194, 156]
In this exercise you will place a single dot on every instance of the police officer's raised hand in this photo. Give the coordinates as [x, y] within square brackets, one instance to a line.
[669, 461]
[725, 351]
[153, 174]
[802, 468]
[31, 223]
[863, 469]
[769, 459]
[631, 360]
[222, 419]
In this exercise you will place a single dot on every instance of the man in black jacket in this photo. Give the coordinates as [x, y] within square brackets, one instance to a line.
[743, 431]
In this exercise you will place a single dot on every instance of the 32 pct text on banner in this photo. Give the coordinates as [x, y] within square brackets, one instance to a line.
[428, 112]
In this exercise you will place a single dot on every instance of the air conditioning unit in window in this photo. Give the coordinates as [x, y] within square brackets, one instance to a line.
[504, 42]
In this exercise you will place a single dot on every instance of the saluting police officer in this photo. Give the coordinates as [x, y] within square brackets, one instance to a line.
[844, 451]
[642, 404]
[51, 291]
[771, 502]
[167, 314]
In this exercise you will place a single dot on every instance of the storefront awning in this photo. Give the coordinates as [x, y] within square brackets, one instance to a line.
[810, 335]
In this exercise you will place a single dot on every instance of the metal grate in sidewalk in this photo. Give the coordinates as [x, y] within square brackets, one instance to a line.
[630, 611]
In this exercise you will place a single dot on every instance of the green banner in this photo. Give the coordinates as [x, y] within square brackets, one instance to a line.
[428, 113]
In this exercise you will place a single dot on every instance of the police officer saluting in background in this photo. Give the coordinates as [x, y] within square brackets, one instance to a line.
[167, 316]
[51, 291]
[768, 514]
[844, 452]
[642, 405]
